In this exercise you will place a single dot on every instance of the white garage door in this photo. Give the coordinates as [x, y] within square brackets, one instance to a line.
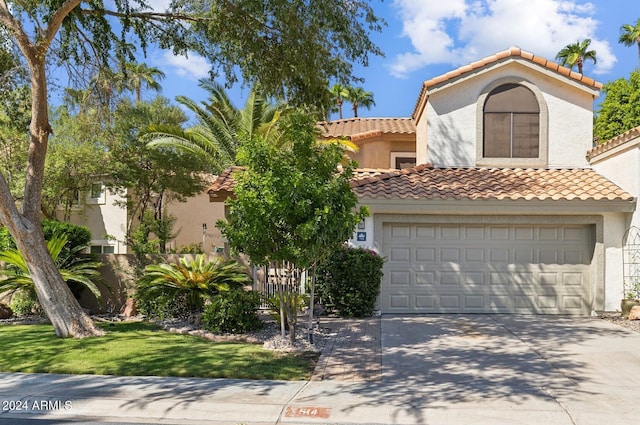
[437, 268]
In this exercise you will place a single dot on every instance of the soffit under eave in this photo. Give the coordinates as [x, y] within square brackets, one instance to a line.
[497, 207]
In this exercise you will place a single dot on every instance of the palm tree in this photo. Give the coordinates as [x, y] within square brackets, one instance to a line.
[74, 268]
[359, 97]
[630, 35]
[220, 127]
[138, 74]
[339, 93]
[194, 279]
[576, 53]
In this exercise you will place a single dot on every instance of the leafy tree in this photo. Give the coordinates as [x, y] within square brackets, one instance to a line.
[74, 267]
[195, 279]
[630, 35]
[292, 50]
[77, 156]
[149, 178]
[292, 203]
[14, 119]
[360, 97]
[220, 126]
[576, 53]
[620, 109]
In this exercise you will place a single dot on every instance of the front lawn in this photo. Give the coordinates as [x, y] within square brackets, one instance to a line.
[142, 349]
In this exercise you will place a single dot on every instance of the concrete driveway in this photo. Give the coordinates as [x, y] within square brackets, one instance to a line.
[511, 369]
[435, 370]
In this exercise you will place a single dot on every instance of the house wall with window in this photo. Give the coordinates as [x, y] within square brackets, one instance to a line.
[450, 128]
[386, 151]
[106, 221]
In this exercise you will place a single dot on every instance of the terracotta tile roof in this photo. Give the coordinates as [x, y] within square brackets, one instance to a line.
[627, 136]
[364, 128]
[222, 187]
[513, 52]
[426, 182]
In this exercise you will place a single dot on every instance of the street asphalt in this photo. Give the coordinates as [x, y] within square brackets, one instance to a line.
[435, 369]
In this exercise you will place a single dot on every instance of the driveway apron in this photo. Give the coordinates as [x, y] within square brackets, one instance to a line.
[511, 369]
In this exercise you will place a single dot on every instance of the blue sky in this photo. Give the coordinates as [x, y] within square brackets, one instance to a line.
[426, 38]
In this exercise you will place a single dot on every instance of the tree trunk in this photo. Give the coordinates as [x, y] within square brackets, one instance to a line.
[55, 297]
[283, 318]
[312, 302]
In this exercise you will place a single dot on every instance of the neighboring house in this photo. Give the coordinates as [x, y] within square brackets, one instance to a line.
[102, 211]
[106, 221]
[382, 142]
[503, 212]
[196, 222]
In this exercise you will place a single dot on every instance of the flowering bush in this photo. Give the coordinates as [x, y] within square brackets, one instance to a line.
[349, 280]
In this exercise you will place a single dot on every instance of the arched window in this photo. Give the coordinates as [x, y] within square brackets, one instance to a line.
[511, 123]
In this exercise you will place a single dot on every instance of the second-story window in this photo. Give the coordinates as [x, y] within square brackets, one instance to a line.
[511, 123]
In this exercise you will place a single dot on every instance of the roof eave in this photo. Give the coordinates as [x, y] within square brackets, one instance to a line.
[497, 206]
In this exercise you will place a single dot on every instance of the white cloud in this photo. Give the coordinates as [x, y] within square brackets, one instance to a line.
[159, 5]
[194, 67]
[458, 32]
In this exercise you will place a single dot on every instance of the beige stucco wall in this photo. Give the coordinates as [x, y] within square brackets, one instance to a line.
[104, 218]
[191, 215]
[449, 123]
[376, 152]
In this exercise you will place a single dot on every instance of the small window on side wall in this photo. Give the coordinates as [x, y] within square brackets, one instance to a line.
[400, 160]
[97, 194]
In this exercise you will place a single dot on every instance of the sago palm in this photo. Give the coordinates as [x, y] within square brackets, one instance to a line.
[76, 267]
[195, 280]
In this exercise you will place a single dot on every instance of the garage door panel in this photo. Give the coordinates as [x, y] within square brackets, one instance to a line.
[425, 254]
[425, 278]
[474, 255]
[425, 301]
[476, 268]
[400, 255]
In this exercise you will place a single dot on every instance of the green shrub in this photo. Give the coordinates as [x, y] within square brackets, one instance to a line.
[163, 306]
[273, 304]
[350, 281]
[77, 236]
[194, 280]
[24, 304]
[235, 311]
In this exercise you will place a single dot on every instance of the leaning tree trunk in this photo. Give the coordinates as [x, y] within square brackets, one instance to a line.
[55, 297]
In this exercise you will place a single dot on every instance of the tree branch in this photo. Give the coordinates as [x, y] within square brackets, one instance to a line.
[14, 26]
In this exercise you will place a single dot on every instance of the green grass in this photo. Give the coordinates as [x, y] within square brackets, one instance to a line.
[142, 349]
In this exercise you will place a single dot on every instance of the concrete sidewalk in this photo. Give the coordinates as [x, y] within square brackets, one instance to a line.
[439, 369]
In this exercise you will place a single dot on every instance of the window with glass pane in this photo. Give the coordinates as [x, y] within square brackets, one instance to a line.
[511, 124]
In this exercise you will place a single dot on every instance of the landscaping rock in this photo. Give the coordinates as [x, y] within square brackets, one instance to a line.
[129, 309]
[634, 314]
[195, 319]
[5, 311]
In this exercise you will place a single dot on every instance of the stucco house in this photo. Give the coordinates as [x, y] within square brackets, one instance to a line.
[103, 212]
[503, 212]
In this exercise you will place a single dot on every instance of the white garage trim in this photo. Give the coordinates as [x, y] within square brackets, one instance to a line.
[425, 271]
